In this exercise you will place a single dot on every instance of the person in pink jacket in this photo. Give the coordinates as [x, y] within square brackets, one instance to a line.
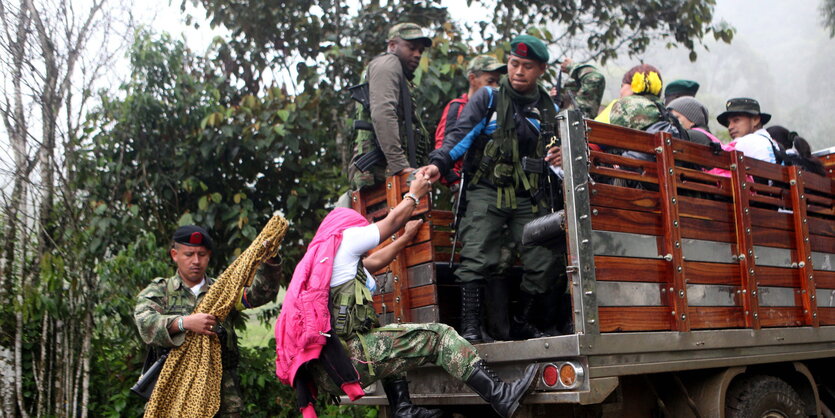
[328, 336]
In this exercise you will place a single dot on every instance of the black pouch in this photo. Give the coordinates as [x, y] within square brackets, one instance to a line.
[546, 231]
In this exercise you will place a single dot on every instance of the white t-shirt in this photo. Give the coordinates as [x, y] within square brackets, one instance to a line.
[196, 288]
[756, 145]
[355, 242]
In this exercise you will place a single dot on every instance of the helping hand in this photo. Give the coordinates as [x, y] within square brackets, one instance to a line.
[412, 228]
[554, 156]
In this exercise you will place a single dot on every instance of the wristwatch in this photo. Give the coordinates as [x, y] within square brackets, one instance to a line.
[412, 196]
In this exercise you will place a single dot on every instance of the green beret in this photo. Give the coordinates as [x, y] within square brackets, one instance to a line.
[527, 46]
[682, 88]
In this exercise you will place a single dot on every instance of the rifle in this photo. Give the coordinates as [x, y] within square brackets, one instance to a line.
[360, 94]
[457, 214]
[547, 230]
[144, 387]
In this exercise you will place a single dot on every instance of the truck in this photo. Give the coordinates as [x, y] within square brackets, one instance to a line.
[692, 294]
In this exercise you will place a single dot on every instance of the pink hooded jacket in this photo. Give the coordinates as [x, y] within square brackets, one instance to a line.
[304, 316]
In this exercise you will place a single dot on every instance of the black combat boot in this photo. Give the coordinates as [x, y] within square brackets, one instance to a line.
[551, 303]
[496, 307]
[397, 392]
[471, 295]
[523, 328]
[503, 397]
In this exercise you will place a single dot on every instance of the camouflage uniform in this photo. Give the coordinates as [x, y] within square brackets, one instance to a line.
[586, 86]
[395, 349]
[637, 111]
[166, 299]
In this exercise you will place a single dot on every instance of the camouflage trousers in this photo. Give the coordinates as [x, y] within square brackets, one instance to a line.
[231, 403]
[395, 349]
[483, 234]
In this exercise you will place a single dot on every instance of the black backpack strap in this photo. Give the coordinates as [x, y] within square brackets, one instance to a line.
[669, 117]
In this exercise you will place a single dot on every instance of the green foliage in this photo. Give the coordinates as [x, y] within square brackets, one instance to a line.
[827, 9]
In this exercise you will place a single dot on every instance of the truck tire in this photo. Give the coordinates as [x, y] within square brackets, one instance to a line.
[763, 396]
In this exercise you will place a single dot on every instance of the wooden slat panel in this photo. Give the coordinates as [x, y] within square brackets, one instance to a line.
[777, 276]
[690, 207]
[644, 167]
[634, 318]
[821, 226]
[819, 184]
[618, 137]
[766, 170]
[707, 230]
[610, 219]
[703, 188]
[769, 237]
[440, 219]
[770, 218]
[716, 317]
[768, 200]
[781, 316]
[712, 273]
[699, 180]
[622, 174]
[700, 154]
[626, 269]
[825, 279]
[624, 198]
[419, 296]
[826, 316]
[418, 254]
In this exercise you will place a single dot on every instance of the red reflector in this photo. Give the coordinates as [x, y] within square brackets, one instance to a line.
[550, 375]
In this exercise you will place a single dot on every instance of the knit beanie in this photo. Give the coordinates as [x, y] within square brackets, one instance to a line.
[691, 109]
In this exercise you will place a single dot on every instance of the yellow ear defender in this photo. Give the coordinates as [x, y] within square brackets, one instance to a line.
[646, 83]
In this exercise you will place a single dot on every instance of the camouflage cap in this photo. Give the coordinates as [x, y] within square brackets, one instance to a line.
[410, 32]
[744, 106]
[527, 46]
[486, 63]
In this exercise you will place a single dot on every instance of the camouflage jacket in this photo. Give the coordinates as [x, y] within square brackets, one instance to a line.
[166, 299]
[586, 85]
[637, 111]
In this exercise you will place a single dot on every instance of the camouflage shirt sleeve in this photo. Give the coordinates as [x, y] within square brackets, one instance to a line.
[591, 86]
[264, 288]
[636, 111]
[152, 319]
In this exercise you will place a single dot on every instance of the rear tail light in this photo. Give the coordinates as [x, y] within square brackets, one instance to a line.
[563, 375]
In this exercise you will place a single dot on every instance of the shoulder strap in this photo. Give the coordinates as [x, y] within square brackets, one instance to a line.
[406, 98]
[669, 117]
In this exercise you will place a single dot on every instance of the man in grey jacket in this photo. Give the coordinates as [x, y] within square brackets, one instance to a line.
[392, 111]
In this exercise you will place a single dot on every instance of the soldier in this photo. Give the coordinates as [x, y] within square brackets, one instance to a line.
[680, 88]
[583, 90]
[392, 110]
[163, 312]
[484, 70]
[348, 350]
[745, 122]
[495, 131]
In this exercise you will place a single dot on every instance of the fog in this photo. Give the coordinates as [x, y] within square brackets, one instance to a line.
[780, 55]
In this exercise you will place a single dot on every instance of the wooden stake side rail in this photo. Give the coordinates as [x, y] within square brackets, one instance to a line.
[677, 248]
[407, 287]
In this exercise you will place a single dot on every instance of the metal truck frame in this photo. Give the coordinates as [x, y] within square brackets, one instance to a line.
[693, 294]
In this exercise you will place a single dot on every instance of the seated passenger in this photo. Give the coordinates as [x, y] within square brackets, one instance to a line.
[693, 116]
[328, 335]
[745, 122]
[640, 106]
[797, 150]
[680, 88]
[583, 90]
[635, 81]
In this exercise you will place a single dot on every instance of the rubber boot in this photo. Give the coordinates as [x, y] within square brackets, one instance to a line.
[397, 392]
[523, 328]
[551, 303]
[471, 296]
[503, 397]
[496, 307]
